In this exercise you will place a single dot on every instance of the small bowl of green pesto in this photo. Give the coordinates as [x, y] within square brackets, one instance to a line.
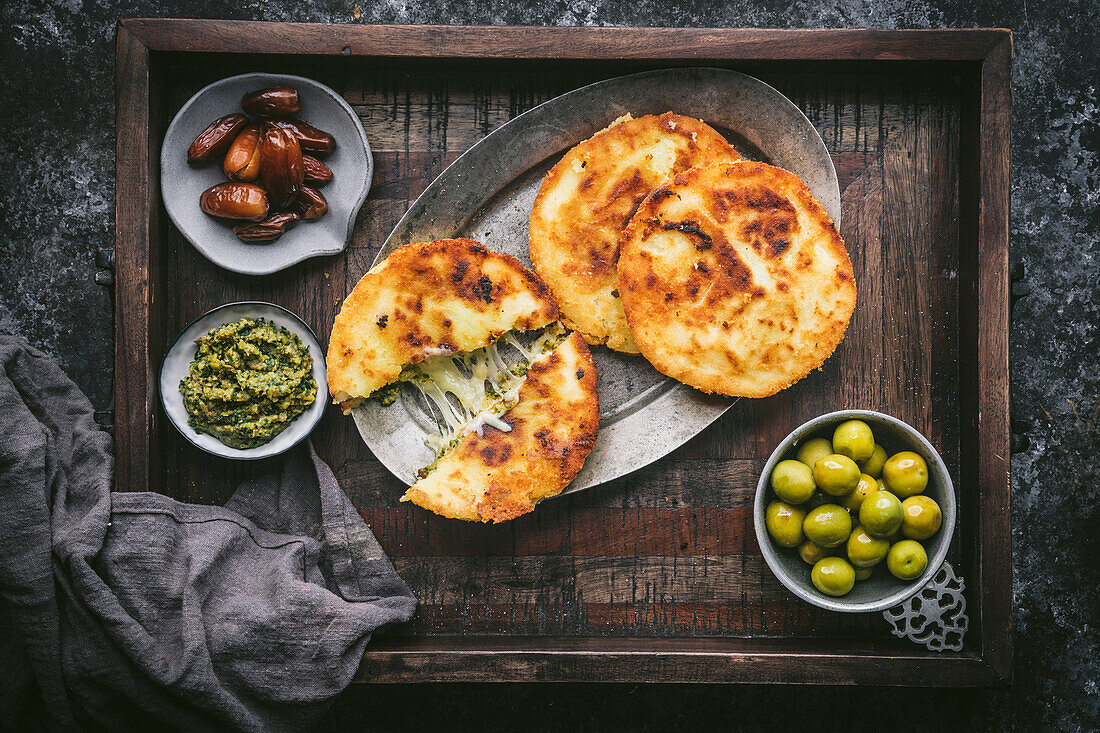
[245, 380]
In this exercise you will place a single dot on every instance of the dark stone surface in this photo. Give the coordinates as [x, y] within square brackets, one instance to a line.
[57, 153]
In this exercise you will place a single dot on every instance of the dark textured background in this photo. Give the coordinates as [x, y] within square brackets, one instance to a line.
[57, 157]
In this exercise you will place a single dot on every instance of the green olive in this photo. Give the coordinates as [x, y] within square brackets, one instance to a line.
[905, 474]
[864, 573]
[865, 551]
[827, 525]
[833, 576]
[784, 523]
[793, 481]
[873, 465]
[836, 474]
[813, 451]
[906, 560]
[920, 517]
[880, 514]
[853, 438]
[865, 486]
[811, 553]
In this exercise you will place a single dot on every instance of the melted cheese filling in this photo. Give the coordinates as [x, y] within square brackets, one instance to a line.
[466, 392]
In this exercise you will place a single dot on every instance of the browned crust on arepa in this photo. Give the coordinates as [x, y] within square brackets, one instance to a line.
[735, 280]
[586, 201]
[426, 298]
[499, 475]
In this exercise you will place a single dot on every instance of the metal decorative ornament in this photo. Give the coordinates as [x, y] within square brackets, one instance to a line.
[936, 616]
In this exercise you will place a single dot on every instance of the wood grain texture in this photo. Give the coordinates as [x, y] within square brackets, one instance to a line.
[563, 43]
[757, 661]
[657, 575]
[139, 299]
[692, 508]
[993, 444]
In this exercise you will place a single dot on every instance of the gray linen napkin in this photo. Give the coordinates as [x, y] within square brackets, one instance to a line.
[130, 609]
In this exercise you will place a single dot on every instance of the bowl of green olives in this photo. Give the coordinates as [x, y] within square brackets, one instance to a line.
[854, 511]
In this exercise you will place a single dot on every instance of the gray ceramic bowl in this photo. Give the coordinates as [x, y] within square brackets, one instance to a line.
[182, 353]
[181, 184]
[881, 590]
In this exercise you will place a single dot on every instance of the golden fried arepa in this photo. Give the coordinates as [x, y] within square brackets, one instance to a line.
[584, 205]
[426, 299]
[734, 279]
[494, 475]
[516, 413]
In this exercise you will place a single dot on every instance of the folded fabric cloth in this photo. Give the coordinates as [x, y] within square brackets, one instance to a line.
[129, 610]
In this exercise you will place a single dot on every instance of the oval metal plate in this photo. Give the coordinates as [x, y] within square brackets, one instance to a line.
[487, 195]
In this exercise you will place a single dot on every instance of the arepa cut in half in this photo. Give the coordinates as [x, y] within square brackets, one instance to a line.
[530, 453]
[475, 337]
[586, 201]
[428, 299]
[734, 279]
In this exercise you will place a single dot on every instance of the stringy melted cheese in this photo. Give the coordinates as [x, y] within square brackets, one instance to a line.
[482, 383]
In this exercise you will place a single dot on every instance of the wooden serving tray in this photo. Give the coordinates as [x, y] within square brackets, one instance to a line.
[658, 576]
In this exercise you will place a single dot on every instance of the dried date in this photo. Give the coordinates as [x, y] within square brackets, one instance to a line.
[269, 229]
[311, 138]
[272, 102]
[316, 172]
[242, 162]
[214, 140]
[311, 203]
[235, 201]
[281, 166]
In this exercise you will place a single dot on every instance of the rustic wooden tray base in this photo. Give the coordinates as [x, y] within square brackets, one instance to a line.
[655, 577]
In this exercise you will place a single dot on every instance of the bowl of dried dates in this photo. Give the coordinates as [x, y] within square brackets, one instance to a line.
[262, 171]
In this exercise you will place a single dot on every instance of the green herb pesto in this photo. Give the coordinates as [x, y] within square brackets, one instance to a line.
[388, 395]
[422, 473]
[248, 382]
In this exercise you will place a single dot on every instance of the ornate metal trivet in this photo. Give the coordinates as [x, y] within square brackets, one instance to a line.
[935, 617]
